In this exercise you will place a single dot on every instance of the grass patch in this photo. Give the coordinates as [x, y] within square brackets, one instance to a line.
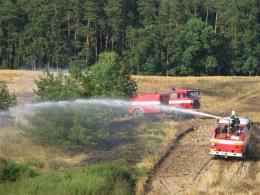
[93, 179]
[11, 172]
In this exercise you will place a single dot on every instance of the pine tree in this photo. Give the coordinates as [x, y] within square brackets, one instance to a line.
[116, 19]
[6, 98]
[167, 24]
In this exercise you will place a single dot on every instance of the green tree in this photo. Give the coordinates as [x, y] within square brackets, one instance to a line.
[148, 11]
[108, 78]
[9, 33]
[116, 19]
[57, 87]
[195, 48]
[55, 34]
[167, 24]
[144, 54]
[7, 99]
[251, 66]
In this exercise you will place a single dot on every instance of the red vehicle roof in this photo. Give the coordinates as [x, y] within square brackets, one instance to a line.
[182, 90]
[148, 96]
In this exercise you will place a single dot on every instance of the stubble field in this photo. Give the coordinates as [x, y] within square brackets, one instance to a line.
[198, 175]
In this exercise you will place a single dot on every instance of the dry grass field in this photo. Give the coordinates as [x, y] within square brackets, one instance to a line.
[20, 82]
[219, 95]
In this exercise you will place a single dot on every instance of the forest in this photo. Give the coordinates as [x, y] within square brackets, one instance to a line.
[152, 37]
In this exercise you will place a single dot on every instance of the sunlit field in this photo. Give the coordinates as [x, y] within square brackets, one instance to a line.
[219, 95]
[139, 144]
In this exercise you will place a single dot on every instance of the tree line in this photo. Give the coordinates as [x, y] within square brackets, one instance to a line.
[152, 37]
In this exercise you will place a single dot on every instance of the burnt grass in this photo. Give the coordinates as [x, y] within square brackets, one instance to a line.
[124, 142]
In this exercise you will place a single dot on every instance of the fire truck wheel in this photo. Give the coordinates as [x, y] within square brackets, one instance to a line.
[137, 113]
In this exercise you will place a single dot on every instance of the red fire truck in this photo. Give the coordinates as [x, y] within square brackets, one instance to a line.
[185, 98]
[148, 103]
[230, 141]
[152, 103]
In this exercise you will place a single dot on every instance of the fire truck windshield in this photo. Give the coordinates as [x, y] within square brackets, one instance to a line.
[192, 94]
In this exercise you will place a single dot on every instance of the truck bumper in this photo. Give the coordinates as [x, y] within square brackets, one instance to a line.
[220, 153]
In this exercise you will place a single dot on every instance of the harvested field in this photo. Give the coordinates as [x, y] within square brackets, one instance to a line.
[187, 169]
[22, 83]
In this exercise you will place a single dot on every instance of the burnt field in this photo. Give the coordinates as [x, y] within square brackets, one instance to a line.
[186, 167]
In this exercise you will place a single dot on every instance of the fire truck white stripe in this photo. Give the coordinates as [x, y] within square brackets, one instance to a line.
[146, 103]
[226, 153]
[180, 101]
[228, 142]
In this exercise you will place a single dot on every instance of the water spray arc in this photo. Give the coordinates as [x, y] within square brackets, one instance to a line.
[193, 112]
[28, 109]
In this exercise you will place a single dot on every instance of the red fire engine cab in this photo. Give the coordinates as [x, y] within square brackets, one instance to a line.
[185, 98]
[148, 103]
[230, 141]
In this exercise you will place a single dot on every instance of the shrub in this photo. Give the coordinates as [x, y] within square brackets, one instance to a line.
[6, 98]
[93, 179]
[57, 87]
[10, 172]
[109, 77]
[75, 67]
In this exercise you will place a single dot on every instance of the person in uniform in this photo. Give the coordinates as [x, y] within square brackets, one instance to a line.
[234, 121]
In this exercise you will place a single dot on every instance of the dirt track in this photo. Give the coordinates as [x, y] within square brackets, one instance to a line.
[185, 163]
[189, 169]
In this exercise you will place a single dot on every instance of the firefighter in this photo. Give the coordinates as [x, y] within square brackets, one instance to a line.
[234, 121]
[225, 129]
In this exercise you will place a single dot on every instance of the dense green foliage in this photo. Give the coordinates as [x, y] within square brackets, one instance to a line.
[56, 87]
[195, 49]
[6, 98]
[94, 179]
[109, 77]
[176, 37]
[10, 172]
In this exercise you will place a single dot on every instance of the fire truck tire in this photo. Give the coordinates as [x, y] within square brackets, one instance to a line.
[137, 113]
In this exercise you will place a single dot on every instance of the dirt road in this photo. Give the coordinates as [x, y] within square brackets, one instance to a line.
[185, 163]
[190, 170]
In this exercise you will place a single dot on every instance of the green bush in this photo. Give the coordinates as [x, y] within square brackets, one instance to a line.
[94, 179]
[75, 67]
[10, 172]
[108, 78]
[6, 98]
[57, 87]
